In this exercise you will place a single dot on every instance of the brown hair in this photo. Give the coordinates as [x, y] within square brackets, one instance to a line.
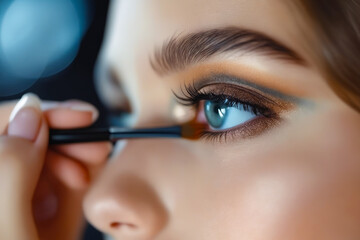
[337, 30]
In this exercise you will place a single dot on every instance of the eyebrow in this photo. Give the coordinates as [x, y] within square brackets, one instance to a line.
[182, 51]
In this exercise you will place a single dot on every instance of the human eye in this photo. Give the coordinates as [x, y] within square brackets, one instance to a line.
[225, 113]
[232, 111]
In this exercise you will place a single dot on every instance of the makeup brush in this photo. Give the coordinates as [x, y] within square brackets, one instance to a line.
[188, 130]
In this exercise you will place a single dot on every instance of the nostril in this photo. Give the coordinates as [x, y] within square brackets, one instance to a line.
[126, 207]
[117, 225]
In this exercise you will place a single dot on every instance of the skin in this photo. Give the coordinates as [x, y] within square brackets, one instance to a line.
[297, 180]
[42, 187]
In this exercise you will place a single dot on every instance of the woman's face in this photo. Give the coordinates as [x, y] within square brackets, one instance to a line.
[279, 158]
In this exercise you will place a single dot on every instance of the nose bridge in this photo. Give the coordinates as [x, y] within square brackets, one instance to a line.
[122, 202]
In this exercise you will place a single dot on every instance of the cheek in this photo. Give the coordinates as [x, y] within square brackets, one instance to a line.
[302, 185]
[301, 181]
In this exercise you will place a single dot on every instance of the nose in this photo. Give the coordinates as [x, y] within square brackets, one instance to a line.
[125, 207]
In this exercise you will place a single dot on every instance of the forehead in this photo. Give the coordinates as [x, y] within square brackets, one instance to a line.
[137, 27]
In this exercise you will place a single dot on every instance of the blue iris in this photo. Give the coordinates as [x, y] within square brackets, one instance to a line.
[225, 115]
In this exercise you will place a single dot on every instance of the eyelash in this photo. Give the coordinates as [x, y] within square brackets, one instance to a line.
[192, 96]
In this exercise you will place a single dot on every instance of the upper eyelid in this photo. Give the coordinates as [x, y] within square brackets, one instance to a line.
[269, 105]
[230, 79]
[195, 101]
[191, 101]
[191, 91]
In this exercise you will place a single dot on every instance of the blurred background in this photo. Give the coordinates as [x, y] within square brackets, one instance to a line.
[49, 47]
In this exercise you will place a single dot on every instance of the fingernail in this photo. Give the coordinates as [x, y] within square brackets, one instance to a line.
[82, 107]
[25, 118]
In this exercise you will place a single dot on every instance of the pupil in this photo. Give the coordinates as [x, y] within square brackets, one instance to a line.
[215, 113]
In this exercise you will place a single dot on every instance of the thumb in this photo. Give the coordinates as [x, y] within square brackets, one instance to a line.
[22, 153]
[28, 133]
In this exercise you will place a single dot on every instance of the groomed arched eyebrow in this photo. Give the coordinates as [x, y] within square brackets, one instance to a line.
[182, 51]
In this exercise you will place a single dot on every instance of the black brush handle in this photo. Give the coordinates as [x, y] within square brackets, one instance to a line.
[78, 135]
[163, 132]
[112, 134]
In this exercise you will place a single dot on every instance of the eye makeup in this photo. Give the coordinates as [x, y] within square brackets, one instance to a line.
[236, 81]
[266, 105]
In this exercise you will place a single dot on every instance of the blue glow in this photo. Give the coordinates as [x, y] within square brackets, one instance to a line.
[39, 38]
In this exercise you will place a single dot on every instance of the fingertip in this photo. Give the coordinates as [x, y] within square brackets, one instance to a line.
[27, 122]
[81, 106]
[70, 114]
[25, 118]
[63, 118]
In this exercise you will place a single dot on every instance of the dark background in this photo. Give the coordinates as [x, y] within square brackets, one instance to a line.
[76, 82]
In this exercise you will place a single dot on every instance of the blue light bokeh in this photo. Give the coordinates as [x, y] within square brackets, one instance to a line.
[38, 38]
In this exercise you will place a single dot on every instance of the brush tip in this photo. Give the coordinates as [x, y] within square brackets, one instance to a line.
[192, 130]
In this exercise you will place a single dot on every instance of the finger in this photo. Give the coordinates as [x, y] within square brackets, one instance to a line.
[27, 137]
[22, 153]
[76, 165]
[70, 114]
[88, 153]
[5, 109]
[71, 173]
